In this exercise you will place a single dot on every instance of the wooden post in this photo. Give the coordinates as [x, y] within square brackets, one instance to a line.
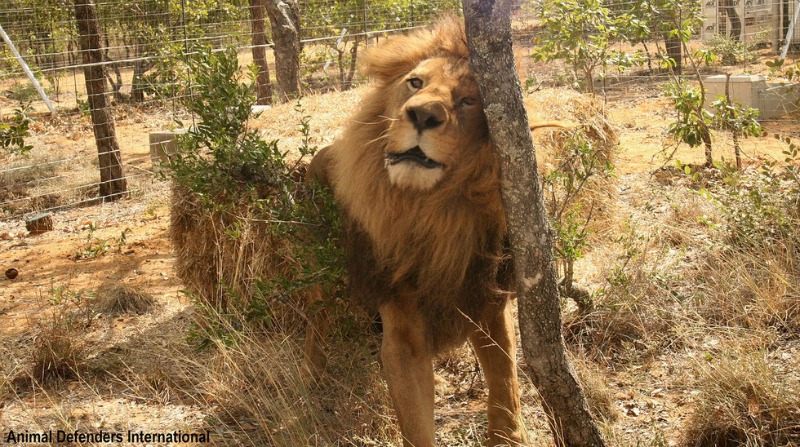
[113, 185]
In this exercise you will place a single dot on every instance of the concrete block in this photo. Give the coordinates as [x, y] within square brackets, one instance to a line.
[162, 144]
[780, 99]
[771, 100]
[256, 109]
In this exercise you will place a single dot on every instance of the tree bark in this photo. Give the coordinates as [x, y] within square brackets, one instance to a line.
[258, 26]
[674, 48]
[138, 84]
[706, 137]
[735, 33]
[488, 26]
[284, 18]
[737, 148]
[113, 185]
[353, 62]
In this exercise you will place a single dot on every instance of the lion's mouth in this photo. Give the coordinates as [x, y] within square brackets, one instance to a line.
[413, 155]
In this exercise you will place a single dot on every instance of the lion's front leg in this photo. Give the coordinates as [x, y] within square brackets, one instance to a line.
[316, 333]
[408, 365]
[496, 348]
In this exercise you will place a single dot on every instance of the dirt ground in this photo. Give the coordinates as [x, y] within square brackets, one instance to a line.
[127, 243]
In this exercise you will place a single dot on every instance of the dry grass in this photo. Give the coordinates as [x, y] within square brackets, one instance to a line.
[632, 317]
[681, 285]
[117, 300]
[59, 352]
[743, 401]
[219, 255]
[19, 180]
[573, 108]
[556, 152]
[261, 386]
[756, 289]
[595, 385]
[256, 388]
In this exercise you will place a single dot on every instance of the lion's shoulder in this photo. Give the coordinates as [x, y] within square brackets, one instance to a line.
[319, 169]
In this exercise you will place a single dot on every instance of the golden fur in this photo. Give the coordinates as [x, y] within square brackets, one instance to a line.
[424, 234]
[428, 237]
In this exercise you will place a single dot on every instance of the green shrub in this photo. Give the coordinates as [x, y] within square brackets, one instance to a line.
[250, 235]
[13, 133]
[731, 51]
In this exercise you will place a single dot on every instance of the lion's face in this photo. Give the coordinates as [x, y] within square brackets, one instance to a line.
[436, 116]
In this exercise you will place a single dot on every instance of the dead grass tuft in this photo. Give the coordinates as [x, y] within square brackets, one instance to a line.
[17, 182]
[42, 183]
[59, 353]
[742, 402]
[632, 316]
[622, 328]
[117, 300]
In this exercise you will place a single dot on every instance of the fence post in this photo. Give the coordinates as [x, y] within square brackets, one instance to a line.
[113, 185]
[27, 70]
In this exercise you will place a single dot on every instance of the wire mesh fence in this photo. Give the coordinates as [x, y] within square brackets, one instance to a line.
[141, 45]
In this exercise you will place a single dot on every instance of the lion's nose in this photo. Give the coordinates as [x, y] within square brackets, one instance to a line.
[427, 116]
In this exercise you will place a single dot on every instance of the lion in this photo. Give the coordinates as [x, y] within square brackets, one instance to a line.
[416, 179]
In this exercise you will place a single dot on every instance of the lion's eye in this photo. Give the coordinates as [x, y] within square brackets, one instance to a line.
[415, 83]
[465, 102]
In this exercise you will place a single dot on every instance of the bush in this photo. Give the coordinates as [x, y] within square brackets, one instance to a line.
[13, 133]
[760, 208]
[582, 32]
[250, 236]
[731, 51]
[752, 279]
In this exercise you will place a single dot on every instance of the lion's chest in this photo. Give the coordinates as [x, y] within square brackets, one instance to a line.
[450, 276]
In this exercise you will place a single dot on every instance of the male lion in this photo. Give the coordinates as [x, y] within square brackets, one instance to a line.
[417, 181]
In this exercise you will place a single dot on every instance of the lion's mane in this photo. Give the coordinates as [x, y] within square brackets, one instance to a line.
[442, 248]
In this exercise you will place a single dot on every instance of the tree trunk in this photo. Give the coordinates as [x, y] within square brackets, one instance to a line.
[284, 18]
[140, 68]
[488, 25]
[258, 26]
[674, 48]
[705, 135]
[113, 185]
[736, 23]
[353, 62]
[138, 84]
[737, 148]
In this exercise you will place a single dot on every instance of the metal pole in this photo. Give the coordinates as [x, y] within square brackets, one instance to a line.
[27, 70]
[791, 31]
